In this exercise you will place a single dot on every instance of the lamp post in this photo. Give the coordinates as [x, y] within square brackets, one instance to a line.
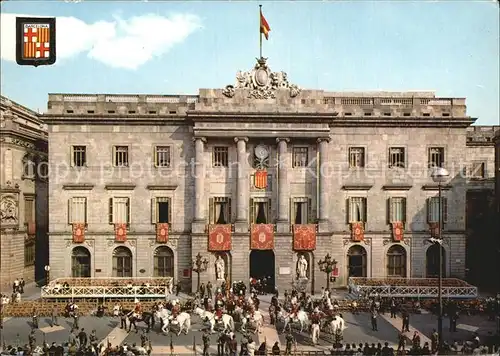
[327, 265]
[47, 274]
[439, 176]
[200, 265]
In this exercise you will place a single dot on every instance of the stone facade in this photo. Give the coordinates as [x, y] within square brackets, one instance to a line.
[262, 109]
[23, 188]
[497, 171]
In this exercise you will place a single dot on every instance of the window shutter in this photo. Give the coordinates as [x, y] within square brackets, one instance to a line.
[445, 209]
[154, 219]
[70, 202]
[128, 210]
[310, 215]
[292, 211]
[170, 208]
[71, 155]
[110, 211]
[429, 212]
[229, 211]
[270, 219]
[348, 210]
[85, 211]
[389, 210]
[211, 218]
[403, 208]
[251, 212]
[365, 210]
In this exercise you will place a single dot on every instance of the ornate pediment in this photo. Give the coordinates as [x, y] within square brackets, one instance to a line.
[261, 82]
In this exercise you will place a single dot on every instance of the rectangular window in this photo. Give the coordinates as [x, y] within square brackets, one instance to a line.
[29, 210]
[220, 210]
[478, 170]
[77, 210]
[161, 210]
[220, 157]
[119, 210]
[301, 211]
[357, 209]
[120, 156]
[29, 252]
[260, 211]
[396, 265]
[356, 157]
[164, 264]
[436, 157]
[433, 209]
[300, 156]
[397, 209]
[79, 156]
[162, 156]
[397, 157]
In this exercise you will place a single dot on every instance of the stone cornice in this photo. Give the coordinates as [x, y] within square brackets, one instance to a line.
[78, 186]
[20, 139]
[436, 187]
[258, 116]
[402, 122]
[161, 187]
[111, 119]
[397, 187]
[120, 186]
[360, 186]
[10, 190]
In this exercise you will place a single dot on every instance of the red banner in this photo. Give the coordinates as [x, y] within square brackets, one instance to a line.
[304, 237]
[262, 237]
[162, 233]
[260, 179]
[78, 233]
[398, 229]
[219, 237]
[357, 231]
[32, 228]
[120, 232]
[335, 272]
[434, 230]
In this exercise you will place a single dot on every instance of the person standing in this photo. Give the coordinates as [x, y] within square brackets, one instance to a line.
[54, 316]
[209, 290]
[290, 342]
[34, 319]
[22, 283]
[202, 290]
[453, 322]
[206, 343]
[406, 321]
[374, 320]
[76, 320]
[82, 337]
[32, 340]
[178, 288]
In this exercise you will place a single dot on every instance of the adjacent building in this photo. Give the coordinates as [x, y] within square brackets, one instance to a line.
[23, 194]
[258, 174]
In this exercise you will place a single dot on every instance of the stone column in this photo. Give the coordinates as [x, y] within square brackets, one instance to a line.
[199, 186]
[283, 223]
[242, 187]
[323, 196]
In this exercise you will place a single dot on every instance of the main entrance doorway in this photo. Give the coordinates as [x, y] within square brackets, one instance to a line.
[432, 261]
[262, 265]
[356, 261]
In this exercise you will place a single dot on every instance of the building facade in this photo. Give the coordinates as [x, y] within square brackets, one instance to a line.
[258, 173]
[23, 188]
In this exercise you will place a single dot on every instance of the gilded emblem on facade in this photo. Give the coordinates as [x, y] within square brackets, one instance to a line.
[262, 82]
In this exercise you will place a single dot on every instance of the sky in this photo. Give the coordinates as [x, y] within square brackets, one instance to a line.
[153, 47]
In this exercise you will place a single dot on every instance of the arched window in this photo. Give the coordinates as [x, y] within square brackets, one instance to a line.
[122, 262]
[396, 261]
[80, 262]
[356, 261]
[28, 166]
[164, 262]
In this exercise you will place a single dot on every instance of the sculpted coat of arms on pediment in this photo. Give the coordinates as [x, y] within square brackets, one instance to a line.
[261, 82]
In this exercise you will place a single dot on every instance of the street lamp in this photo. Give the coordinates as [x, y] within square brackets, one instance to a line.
[47, 274]
[200, 265]
[327, 265]
[440, 175]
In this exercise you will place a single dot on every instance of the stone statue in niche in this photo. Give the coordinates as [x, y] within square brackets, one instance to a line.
[220, 268]
[302, 267]
[8, 211]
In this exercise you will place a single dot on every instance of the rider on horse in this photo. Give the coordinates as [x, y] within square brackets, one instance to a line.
[316, 316]
[176, 308]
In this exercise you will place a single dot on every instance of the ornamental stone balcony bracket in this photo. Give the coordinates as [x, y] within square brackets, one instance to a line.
[78, 186]
[446, 241]
[361, 186]
[120, 186]
[436, 187]
[406, 241]
[161, 187]
[366, 241]
[398, 187]
[261, 82]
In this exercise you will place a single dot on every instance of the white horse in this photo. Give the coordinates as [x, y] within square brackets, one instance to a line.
[164, 315]
[226, 319]
[337, 324]
[183, 320]
[258, 320]
[301, 318]
[315, 329]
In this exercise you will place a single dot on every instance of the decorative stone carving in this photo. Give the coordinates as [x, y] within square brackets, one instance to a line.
[152, 242]
[347, 242]
[89, 243]
[111, 243]
[262, 82]
[9, 210]
[386, 242]
[132, 243]
[68, 243]
[367, 241]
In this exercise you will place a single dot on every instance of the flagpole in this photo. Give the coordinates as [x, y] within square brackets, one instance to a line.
[260, 30]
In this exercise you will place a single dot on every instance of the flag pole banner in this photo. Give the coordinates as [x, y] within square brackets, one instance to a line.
[35, 41]
[162, 233]
[398, 231]
[219, 237]
[304, 237]
[120, 232]
[78, 233]
[262, 237]
[357, 231]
